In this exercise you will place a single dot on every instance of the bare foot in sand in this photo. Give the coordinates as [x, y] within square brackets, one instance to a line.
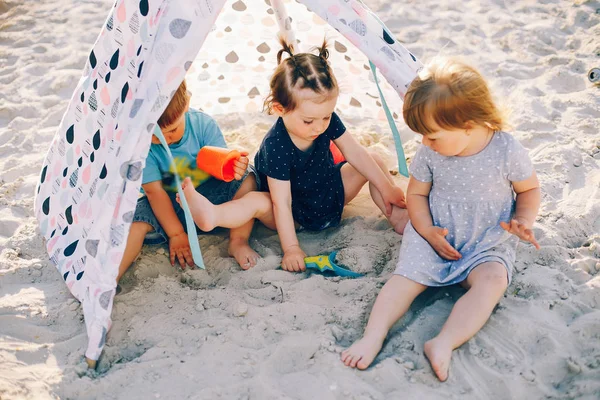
[362, 353]
[439, 354]
[91, 363]
[243, 253]
[203, 211]
[399, 219]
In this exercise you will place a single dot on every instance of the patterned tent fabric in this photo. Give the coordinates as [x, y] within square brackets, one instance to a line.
[233, 68]
[91, 176]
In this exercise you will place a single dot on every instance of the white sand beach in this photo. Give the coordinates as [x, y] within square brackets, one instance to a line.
[224, 333]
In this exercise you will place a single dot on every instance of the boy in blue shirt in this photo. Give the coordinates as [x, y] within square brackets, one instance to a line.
[158, 217]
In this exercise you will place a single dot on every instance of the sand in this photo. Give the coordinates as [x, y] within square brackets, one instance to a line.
[225, 333]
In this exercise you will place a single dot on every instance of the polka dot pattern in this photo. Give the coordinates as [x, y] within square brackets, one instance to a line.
[91, 176]
[315, 181]
[469, 196]
[244, 42]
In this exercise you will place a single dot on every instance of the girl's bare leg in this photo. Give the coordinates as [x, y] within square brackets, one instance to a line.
[353, 183]
[399, 217]
[486, 284]
[393, 301]
[233, 214]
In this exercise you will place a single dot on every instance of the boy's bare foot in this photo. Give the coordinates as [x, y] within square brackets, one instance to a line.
[399, 219]
[90, 363]
[439, 354]
[203, 211]
[243, 253]
[362, 353]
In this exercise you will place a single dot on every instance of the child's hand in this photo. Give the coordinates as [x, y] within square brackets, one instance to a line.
[241, 165]
[179, 247]
[394, 196]
[293, 259]
[519, 228]
[436, 236]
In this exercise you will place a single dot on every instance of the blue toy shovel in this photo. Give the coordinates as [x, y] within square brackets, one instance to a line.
[327, 263]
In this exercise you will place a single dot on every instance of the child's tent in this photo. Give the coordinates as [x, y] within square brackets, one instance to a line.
[232, 69]
[90, 179]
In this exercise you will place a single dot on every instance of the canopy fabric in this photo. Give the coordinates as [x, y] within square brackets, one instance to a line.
[232, 70]
[90, 178]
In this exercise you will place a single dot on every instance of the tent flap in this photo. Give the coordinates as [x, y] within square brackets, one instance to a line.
[90, 178]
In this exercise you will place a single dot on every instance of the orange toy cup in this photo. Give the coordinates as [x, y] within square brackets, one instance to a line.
[338, 157]
[218, 162]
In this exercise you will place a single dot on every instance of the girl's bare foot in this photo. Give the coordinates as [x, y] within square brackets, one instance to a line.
[398, 219]
[439, 354]
[362, 353]
[243, 253]
[203, 211]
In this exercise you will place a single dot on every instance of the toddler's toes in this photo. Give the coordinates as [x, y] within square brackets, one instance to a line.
[186, 182]
[362, 353]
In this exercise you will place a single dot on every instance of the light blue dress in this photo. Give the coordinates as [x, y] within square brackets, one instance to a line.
[469, 196]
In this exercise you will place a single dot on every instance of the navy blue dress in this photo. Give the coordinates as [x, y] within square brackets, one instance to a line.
[316, 182]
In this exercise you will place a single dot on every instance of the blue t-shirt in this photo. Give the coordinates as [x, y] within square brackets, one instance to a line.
[200, 130]
[316, 182]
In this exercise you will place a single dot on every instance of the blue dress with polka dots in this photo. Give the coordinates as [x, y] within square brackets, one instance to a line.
[315, 181]
[469, 196]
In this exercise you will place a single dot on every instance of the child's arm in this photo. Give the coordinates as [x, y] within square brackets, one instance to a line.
[165, 214]
[417, 198]
[527, 206]
[360, 159]
[281, 196]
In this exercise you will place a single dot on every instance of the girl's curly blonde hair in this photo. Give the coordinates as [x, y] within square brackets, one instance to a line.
[449, 94]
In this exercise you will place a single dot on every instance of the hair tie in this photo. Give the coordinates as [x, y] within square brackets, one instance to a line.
[324, 53]
[286, 48]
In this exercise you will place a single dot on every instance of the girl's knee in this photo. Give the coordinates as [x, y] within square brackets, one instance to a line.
[492, 274]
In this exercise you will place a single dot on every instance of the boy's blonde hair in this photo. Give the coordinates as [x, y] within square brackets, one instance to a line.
[449, 94]
[299, 71]
[177, 106]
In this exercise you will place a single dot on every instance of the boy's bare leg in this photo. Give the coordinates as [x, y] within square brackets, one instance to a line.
[239, 248]
[135, 240]
[353, 183]
[486, 284]
[393, 301]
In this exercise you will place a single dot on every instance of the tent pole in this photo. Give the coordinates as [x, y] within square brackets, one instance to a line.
[285, 24]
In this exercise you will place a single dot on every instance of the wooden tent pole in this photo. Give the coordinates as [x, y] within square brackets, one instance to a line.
[285, 24]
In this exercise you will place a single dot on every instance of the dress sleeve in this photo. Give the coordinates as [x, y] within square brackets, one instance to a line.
[274, 159]
[420, 167]
[336, 127]
[518, 163]
[151, 171]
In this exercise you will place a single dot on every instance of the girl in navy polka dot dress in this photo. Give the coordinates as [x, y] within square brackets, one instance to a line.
[301, 185]
[295, 163]
[464, 220]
